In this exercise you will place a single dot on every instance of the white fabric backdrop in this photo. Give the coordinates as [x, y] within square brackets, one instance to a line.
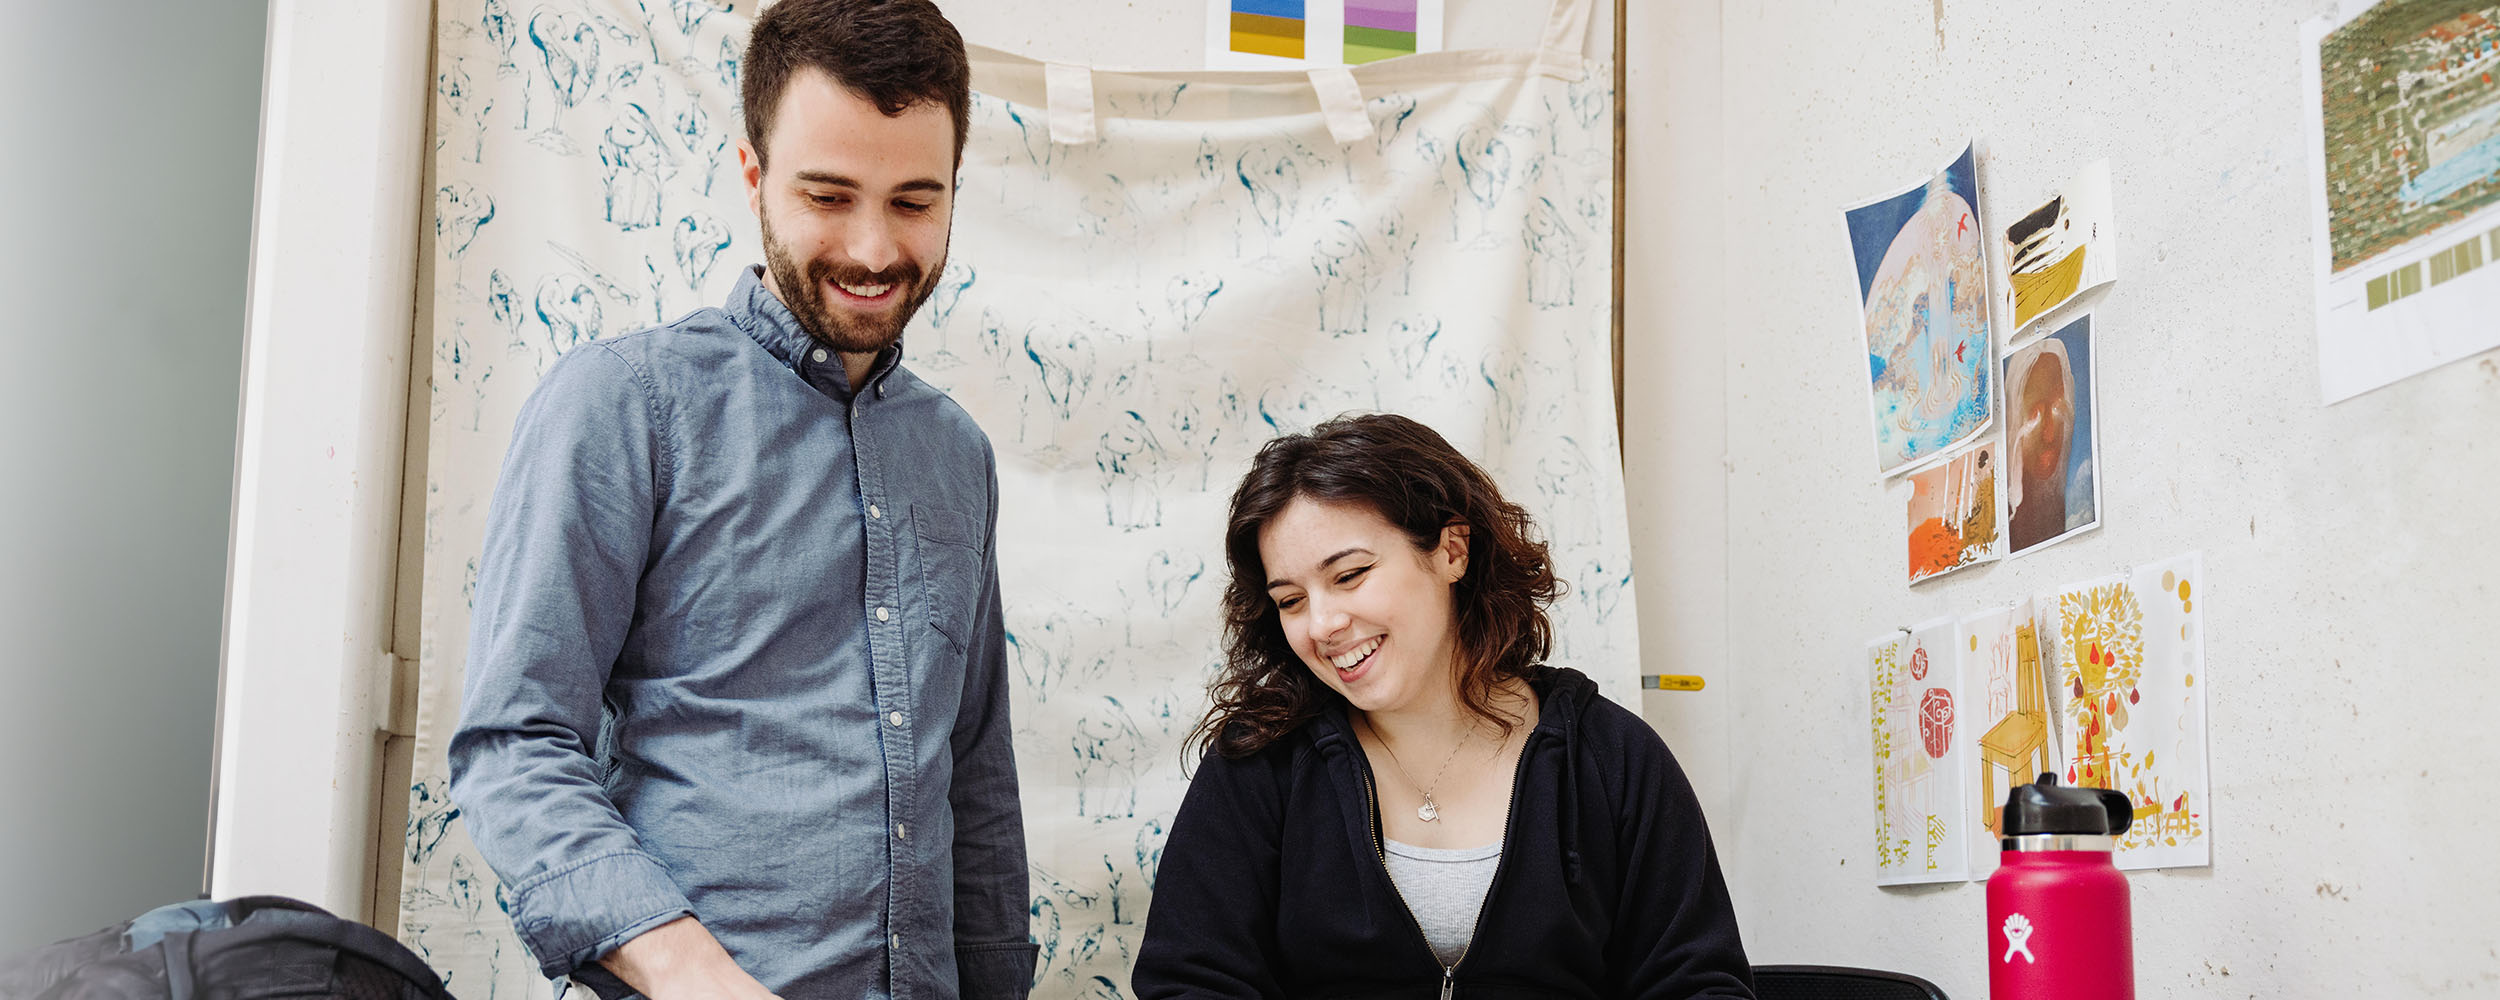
[1128, 318]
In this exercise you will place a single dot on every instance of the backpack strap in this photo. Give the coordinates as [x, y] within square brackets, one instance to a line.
[178, 965]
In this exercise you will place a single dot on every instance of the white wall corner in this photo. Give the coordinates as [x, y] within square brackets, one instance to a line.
[319, 454]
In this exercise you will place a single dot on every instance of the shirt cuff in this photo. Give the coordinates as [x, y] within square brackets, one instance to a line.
[571, 916]
[995, 971]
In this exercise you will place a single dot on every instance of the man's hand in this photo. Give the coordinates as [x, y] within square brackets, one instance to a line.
[680, 960]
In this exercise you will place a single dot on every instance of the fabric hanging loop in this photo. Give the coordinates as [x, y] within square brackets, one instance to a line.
[1341, 102]
[1070, 91]
[1566, 32]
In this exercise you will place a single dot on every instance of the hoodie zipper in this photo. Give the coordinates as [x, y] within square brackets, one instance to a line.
[1510, 822]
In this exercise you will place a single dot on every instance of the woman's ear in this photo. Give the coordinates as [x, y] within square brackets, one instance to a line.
[1449, 559]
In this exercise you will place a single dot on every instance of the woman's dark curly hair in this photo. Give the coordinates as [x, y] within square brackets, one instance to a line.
[1411, 477]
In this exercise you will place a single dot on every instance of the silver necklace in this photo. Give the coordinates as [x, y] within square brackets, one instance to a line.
[1430, 811]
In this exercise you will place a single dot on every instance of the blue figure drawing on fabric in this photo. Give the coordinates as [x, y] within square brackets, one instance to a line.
[1503, 379]
[689, 13]
[569, 310]
[1347, 274]
[1156, 103]
[502, 304]
[465, 109]
[1045, 914]
[1485, 161]
[1065, 360]
[504, 35]
[1109, 753]
[430, 812]
[725, 68]
[1273, 178]
[953, 282]
[1150, 837]
[1190, 294]
[1195, 434]
[568, 52]
[1601, 586]
[607, 286]
[626, 38]
[1130, 461]
[460, 210]
[636, 165]
[696, 244]
[1037, 148]
[467, 371]
[1398, 239]
[1554, 255]
[1389, 114]
[1410, 343]
[1169, 575]
[1042, 653]
[1119, 875]
[710, 147]
[1567, 481]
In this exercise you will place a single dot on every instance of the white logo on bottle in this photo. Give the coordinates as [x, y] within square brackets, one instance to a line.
[2018, 938]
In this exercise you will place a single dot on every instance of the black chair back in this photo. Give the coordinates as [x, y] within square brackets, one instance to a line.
[1830, 982]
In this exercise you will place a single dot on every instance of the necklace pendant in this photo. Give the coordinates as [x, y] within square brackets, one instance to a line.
[1428, 812]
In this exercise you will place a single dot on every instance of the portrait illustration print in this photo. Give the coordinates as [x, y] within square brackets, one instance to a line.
[2054, 483]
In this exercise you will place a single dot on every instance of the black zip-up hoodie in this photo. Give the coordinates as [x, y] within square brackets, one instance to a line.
[1273, 885]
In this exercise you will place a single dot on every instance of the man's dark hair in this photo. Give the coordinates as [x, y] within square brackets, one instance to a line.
[895, 53]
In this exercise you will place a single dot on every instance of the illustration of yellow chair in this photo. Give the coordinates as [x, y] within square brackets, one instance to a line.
[2019, 742]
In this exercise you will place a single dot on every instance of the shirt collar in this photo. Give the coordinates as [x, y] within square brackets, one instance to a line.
[756, 310]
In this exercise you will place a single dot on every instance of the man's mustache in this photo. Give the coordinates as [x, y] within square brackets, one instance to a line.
[903, 273]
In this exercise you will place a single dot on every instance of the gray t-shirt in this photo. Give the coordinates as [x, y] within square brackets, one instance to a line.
[1445, 888]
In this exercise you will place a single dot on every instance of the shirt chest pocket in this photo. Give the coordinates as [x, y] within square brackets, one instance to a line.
[950, 569]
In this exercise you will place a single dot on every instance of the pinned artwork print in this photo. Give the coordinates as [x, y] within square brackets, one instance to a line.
[2403, 111]
[1922, 825]
[2061, 249]
[2054, 491]
[1954, 514]
[2005, 671]
[1307, 34]
[2129, 678]
[1922, 269]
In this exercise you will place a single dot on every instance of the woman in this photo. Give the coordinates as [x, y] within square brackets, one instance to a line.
[1397, 798]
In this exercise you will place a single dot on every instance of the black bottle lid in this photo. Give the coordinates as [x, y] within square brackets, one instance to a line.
[2046, 807]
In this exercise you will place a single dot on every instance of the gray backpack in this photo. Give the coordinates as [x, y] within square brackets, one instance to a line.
[250, 948]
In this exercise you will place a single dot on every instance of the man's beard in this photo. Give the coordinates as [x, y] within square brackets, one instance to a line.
[841, 329]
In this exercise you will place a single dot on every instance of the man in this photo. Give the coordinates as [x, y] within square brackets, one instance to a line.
[736, 714]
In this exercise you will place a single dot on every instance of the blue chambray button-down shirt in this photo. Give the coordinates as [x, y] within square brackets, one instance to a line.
[736, 652]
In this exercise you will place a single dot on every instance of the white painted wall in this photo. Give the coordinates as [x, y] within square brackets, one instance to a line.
[2350, 550]
[316, 491]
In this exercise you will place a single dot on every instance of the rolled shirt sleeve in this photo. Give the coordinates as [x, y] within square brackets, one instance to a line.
[566, 538]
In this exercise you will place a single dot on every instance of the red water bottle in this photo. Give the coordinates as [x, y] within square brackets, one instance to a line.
[2057, 907]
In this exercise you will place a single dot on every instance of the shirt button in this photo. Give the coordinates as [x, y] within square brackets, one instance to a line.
[902, 832]
[896, 718]
[874, 513]
[819, 355]
[894, 941]
[881, 615]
